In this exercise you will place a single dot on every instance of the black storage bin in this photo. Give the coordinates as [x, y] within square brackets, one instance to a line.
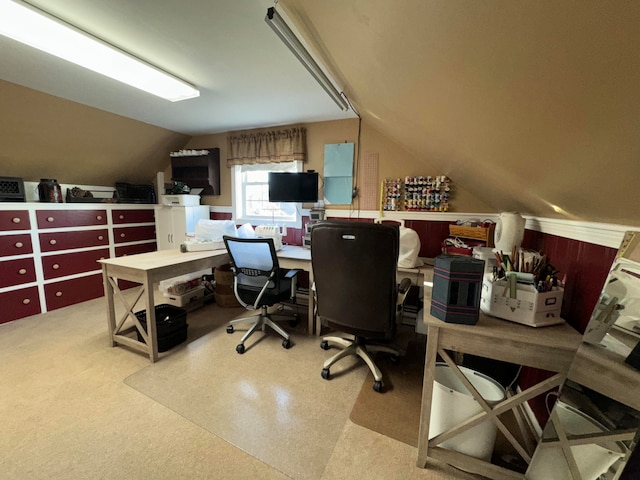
[171, 325]
[457, 284]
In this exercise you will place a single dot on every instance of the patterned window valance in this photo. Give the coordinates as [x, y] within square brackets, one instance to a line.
[267, 147]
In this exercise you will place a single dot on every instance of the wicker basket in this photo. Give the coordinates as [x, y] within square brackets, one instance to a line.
[475, 233]
[224, 287]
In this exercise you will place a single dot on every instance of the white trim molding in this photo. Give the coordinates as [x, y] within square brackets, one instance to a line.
[605, 234]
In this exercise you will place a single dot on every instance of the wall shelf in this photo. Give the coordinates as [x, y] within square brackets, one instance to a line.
[201, 170]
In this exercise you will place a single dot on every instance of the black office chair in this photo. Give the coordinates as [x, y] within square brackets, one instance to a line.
[354, 269]
[259, 283]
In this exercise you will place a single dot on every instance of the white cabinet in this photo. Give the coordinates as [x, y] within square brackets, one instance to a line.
[174, 223]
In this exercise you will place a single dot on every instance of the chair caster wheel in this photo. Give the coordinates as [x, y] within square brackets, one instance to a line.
[286, 343]
[296, 320]
[324, 345]
[377, 386]
[229, 328]
[395, 359]
[325, 373]
[240, 349]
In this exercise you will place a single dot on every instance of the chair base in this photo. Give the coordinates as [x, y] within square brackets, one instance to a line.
[359, 347]
[258, 322]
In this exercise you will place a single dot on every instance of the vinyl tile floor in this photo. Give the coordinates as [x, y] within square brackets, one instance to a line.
[66, 412]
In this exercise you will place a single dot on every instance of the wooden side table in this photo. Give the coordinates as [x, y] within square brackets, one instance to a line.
[549, 348]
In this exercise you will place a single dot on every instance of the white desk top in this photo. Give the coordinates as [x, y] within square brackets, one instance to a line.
[159, 259]
[295, 252]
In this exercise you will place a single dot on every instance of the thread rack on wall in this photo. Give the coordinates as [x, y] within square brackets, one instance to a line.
[416, 193]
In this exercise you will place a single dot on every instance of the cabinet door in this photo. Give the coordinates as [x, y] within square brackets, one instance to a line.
[50, 242]
[16, 272]
[15, 245]
[14, 220]
[164, 227]
[19, 304]
[69, 292]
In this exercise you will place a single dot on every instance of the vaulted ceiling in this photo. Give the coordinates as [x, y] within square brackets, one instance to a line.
[531, 105]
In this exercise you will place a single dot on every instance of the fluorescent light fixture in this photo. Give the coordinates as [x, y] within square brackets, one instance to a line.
[37, 29]
[283, 31]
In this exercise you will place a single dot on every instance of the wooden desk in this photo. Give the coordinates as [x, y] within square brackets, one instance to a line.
[148, 269]
[549, 348]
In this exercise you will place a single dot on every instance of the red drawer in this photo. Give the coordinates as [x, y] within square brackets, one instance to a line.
[70, 292]
[19, 304]
[133, 249]
[16, 272]
[70, 218]
[15, 244]
[134, 234]
[132, 216]
[55, 266]
[14, 220]
[51, 242]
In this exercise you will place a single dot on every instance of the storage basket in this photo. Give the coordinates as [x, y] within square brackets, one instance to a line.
[171, 325]
[224, 287]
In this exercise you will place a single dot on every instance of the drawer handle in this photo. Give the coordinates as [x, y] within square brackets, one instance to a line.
[19, 245]
[121, 217]
[55, 266]
[58, 294]
[26, 301]
[16, 220]
[22, 271]
[100, 237]
[52, 242]
[49, 219]
[122, 235]
[99, 217]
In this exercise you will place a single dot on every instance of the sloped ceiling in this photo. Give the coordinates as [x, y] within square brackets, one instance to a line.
[533, 106]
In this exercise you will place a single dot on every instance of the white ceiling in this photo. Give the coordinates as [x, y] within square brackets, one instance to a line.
[247, 77]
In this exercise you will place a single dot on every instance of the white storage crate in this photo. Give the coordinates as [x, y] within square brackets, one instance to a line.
[180, 200]
[186, 298]
[529, 307]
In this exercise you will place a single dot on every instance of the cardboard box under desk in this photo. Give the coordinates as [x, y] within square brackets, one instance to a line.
[529, 307]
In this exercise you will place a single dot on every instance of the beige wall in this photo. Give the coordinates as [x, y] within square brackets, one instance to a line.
[394, 161]
[43, 136]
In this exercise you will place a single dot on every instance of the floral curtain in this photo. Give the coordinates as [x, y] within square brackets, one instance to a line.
[267, 147]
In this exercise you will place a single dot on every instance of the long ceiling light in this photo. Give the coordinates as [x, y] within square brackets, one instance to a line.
[37, 29]
[283, 31]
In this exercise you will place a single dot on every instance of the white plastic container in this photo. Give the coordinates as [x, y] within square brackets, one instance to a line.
[548, 463]
[180, 200]
[486, 254]
[452, 404]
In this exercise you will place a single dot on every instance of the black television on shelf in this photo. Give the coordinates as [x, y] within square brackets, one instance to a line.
[293, 186]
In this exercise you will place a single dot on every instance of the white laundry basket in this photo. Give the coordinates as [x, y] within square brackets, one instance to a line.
[548, 463]
[453, 403]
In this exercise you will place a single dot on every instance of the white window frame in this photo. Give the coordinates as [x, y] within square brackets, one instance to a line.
[238, 204]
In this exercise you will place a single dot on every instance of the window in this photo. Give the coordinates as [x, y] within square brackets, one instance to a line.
[251, 196]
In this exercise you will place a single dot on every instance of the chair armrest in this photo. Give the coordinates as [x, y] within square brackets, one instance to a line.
[403, 289]
[404, 286]
[292, 273]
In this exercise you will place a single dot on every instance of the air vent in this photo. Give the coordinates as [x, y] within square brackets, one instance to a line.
[11, 189]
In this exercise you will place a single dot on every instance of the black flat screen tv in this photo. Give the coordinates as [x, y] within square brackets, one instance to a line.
[293, 187]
